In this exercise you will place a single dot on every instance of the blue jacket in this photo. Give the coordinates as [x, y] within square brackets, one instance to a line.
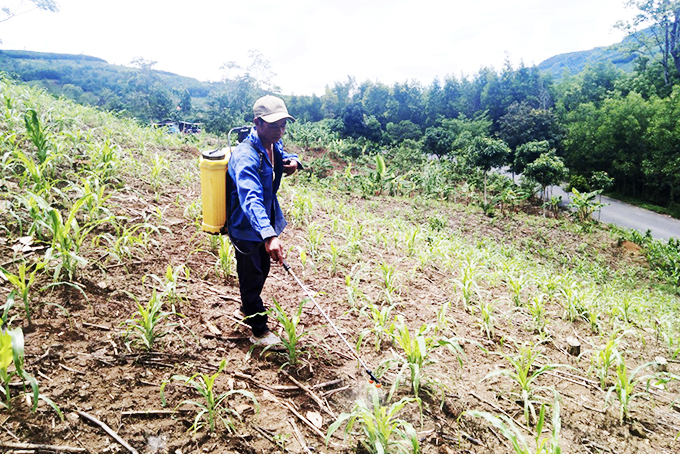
[255, 214]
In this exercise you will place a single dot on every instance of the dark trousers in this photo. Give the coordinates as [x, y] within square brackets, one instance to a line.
[252, 270]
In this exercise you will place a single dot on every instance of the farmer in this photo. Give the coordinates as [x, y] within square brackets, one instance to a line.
[255, 220]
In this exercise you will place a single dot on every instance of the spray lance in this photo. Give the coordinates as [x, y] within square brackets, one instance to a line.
[372, 378]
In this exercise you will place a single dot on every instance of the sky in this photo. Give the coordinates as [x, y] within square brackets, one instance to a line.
[311, 44]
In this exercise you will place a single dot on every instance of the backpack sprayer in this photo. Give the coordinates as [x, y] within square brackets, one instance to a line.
[372, 378]
[213, 164]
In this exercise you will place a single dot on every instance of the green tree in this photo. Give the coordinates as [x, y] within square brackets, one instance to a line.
[523, 123]
[547, 170]
[660, 41]
[528, 153]
[486, 153]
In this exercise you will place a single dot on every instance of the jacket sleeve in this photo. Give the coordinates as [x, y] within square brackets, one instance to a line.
[250, 191]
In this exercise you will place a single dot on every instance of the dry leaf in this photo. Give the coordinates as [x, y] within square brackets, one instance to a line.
[212, 328]
[315, 418]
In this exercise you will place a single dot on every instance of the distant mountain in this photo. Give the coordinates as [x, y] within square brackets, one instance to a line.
[618, 54]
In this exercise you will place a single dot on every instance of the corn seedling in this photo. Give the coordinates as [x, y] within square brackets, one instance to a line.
[170, 284]
[487, 320]
[603, 359]
[68, 237]
[333, 255]
[390, 282]
[37, 134]
[382, 323]
[226, 260]
[574, 301]
[22, 282]
[624, 387]
[12, 353]
[128, 240]
[291, 337]
[354, 293]
[517, 286]
[148, 323]
[520, 445]
[382, 431]
[525, 370]
[417, 356]
[212, 408]
[537, 310]
[313, 240]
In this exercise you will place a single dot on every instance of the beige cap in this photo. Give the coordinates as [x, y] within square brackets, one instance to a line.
[271, 109]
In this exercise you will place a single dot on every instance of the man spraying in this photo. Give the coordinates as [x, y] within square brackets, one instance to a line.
[255, 219]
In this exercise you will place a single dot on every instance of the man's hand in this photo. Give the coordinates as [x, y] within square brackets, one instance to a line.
[274, 248]
[290, 166]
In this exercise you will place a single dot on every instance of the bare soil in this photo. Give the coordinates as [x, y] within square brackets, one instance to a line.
[77, 347]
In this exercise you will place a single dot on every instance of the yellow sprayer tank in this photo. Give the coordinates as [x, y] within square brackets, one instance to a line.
[214, 189]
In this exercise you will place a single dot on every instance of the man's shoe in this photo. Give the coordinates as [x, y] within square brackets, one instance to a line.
[269, 340]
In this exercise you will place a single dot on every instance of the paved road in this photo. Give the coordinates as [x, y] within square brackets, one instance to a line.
[631, 217]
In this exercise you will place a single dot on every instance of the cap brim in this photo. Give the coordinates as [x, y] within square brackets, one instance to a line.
[273, 118]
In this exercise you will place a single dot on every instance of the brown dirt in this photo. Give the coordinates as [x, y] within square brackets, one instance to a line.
[83, 363]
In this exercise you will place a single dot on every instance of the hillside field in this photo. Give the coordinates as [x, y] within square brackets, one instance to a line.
[471, 322]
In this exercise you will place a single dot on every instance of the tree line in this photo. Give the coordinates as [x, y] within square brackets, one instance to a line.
[603, 124]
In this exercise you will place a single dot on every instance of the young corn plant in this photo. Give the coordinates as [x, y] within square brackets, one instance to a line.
[354, 293]
[170, 286]
[602, 360]
[537, 310]
[517, 286]
[148, 324]
[68, 237]
[212, 409]
[291, 338]
[226, 260]
[415, 357]
[333, 255]
[389, 279]
[487, 319]
[383, 432]
[37, 134]
[520, 445]
[12, 352]
[524, 372]
[313, 240]
[382, 324]
[23, 282]
[624, 387]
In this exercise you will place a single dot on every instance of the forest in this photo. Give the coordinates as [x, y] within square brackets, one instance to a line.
[612, 124]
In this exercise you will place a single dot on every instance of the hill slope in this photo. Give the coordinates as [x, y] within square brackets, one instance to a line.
[439, 299]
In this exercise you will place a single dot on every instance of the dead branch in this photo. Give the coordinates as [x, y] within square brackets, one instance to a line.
[108, 430]
[36, 447]
[311, 394]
